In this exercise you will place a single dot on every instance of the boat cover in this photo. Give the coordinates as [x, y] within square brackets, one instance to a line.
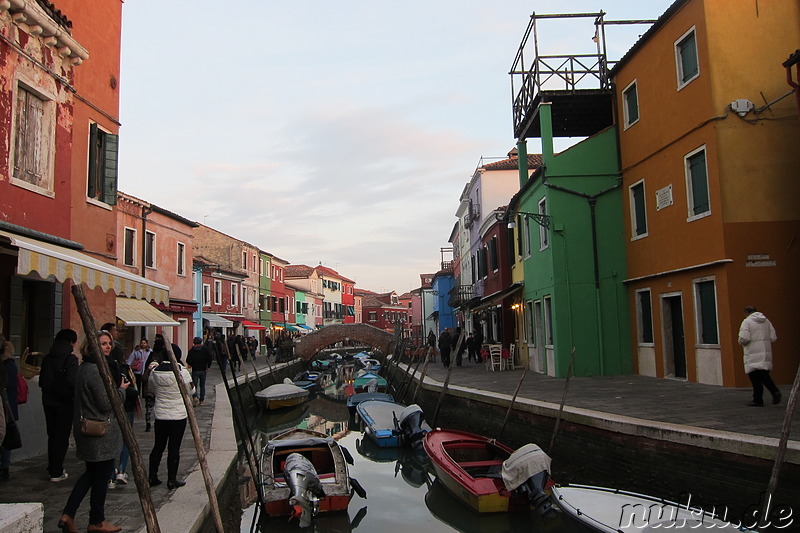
[299, 443]
[282, 391]
[356, 399]
[408, 411]
[523, 464]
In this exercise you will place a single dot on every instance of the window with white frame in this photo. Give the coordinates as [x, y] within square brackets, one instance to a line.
[638, 210]
[528, 322]
[526, 230]
[181, 259]
[630, 107]
[697, 184]
[102, 175]
[206, 294]
[129, 247]
[686, 59]
[149, 249]
[705, 297]
[217, 292]
[34, 141]
[548, 321]
[644, 315]
[544, 235]
[234, 294]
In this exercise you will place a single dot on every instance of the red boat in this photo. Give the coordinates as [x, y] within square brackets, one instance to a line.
[471, 468]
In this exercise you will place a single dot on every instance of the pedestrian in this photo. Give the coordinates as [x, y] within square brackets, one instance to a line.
[137, 361]
[252, 345]
[461, 349]
[98, 452]
[170, 419]
[8, 390]
[199, 361]
[233, 353]
[756, 335]
[472, 352]
[445, 345]
[158, 355]
[115, 357]
[268, 344]
[241, 344]
[432, 345]
[131, 405]
[57, 381]
[222, 353]
[176, 350]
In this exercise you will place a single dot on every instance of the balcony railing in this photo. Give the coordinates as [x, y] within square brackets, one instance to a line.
[459, 295]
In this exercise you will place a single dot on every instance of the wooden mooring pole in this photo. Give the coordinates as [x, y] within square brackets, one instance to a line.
[139, 475]
[513, 401]
[446, 380]
[563, 400]
[424, 373]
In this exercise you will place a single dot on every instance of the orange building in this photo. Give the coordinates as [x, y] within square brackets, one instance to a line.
[59, 107]
[708, 135]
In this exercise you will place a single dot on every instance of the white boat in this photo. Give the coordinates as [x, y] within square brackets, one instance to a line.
[612, 511]
[281, 395]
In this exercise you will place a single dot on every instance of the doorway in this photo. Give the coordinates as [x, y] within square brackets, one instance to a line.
[538, 359]
[674, 342]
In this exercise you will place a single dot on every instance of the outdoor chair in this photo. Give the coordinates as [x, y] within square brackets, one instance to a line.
[495, 361]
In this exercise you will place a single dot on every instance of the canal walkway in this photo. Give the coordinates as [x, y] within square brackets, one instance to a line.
[713, 416]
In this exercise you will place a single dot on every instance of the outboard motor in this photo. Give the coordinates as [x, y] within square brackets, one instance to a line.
[305, 489]
[412, 425]
[372, 385]
[527, 471]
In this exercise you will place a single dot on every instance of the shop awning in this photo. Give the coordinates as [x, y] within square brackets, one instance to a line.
[54, 262]
[252, 325]
[140, 313]
[287, 327]
[216, 321]
[304, 326]
[497, 297]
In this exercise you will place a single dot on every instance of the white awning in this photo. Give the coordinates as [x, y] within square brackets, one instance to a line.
[58, 263]
[216, 321]
[140, 313]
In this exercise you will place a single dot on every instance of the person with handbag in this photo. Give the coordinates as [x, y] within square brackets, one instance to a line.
[8, 388]
[57, 381]
[98, 440]
[137, 359]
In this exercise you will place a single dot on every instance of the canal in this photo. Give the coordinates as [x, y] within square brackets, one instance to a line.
[402, 492]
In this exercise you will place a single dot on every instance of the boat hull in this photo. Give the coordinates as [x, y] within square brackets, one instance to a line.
[468, 466]
[378, 418]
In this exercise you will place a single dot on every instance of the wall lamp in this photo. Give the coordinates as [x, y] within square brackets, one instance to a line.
[542, 220]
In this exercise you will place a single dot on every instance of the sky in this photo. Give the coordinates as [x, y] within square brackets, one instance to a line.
[340, 133]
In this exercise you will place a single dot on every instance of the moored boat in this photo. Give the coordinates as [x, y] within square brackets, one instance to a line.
[369, 382]
[281, 395]
[291, 488]
[609, 510]
[356, 399]
[380, 422]
[470, 467]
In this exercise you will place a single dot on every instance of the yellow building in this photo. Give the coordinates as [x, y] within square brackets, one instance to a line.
[708, 132]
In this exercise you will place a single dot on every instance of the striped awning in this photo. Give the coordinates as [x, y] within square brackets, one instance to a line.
[216, 321]
[140, 313]
[58, 263]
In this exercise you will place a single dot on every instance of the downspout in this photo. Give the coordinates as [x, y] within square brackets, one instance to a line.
[145, 211]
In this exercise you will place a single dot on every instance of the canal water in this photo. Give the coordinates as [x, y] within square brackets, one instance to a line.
[402, 493]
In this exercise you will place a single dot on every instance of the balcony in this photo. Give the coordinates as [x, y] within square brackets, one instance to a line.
[459, 295]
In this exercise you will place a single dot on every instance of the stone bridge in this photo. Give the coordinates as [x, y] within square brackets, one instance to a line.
[307, 346]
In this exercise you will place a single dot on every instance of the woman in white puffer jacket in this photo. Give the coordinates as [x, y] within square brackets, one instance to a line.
[170, 419]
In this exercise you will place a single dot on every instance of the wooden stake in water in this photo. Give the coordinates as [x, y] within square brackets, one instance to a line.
[139, 474]
[513, 400]
[563, 400]
[422, 376]
[446, 381]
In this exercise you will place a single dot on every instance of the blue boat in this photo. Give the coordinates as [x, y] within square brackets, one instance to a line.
[356, 399]
[380, 421]
[369, 382]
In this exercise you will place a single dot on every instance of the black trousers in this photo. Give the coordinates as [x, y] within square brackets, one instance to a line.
[446, 356]
[760, 379]
[95, 478]
[168, 434]
[58, 420]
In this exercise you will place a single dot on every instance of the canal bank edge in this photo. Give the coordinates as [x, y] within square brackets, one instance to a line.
[736, 443]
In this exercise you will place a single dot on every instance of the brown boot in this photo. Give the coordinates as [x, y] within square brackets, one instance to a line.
[66, 524]
[103, 527]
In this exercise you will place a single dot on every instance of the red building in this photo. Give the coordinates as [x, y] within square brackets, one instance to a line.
[59, 108]
[349, 300]
[384, 311]
[220, 294]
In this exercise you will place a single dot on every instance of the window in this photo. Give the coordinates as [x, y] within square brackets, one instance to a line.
[686, 61]
[638, 213]
[528, 321]
[234, 294]
[630, 108]
[494, 263]
[519, 236]
[697, 184]
[181, 259]
[149, 249]
[544, 236]
[103, 149]
[254, 263]
[526, 230]
[548, 321]
[194, 285]
[206, 294]
[217, 292]
[644, 312]
[129, 247]
[244, 260]
[705, 296]
[34, 131]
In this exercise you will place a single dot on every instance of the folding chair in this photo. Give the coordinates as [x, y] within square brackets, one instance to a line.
[495, 361]
[508, 362]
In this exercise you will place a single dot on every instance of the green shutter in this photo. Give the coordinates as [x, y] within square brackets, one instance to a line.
[110, 166]
[699, 182]
[632, 104]
[708, 312]
[645, 308]
[688, 53]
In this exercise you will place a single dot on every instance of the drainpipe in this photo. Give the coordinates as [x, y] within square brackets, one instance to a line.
[145, 211]
[522, 160]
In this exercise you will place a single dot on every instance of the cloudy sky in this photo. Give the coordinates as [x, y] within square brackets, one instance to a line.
[339, 133]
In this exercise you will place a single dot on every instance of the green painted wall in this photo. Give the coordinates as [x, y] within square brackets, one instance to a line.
[264, 287]
[588, 313]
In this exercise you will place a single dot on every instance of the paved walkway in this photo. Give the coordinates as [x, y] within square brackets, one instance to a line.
[690, 405]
